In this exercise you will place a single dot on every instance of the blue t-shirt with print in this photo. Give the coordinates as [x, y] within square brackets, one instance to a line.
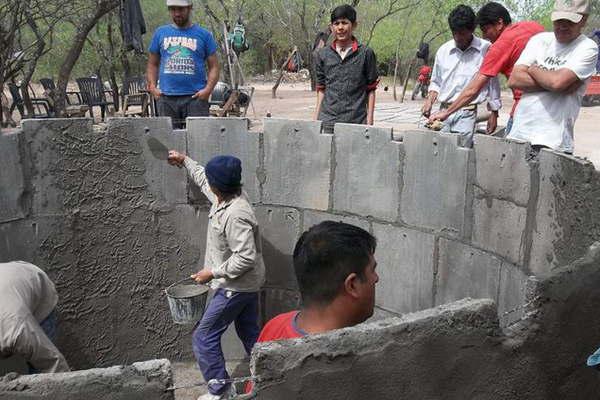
[183, 53]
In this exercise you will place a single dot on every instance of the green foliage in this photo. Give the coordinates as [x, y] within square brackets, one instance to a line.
[275, 26]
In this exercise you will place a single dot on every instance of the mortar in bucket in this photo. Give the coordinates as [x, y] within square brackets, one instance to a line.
[186, 301]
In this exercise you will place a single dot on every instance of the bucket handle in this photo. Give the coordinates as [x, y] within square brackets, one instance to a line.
[177, 283]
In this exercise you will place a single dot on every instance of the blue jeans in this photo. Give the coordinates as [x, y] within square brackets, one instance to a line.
[224, 308]
[48, 325]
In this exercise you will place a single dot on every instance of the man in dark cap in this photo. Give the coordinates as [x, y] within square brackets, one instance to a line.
[233, 265]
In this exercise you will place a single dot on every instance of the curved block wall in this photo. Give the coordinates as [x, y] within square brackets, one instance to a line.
[113, 226]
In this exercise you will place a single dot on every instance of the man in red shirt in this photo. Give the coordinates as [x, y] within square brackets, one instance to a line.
[508, 41]
[335, 267]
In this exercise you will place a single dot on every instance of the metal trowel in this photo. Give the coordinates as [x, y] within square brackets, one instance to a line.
[158, 150]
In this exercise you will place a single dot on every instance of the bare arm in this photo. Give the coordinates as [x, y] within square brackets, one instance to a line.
[466, 96]
[561, 80]
[152, 74]
[213, 72]
[212, 77]
[320, 97]
[429, 102]
[370, 107]
[522, 80]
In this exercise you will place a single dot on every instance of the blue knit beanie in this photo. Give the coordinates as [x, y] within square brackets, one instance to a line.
[224, 173]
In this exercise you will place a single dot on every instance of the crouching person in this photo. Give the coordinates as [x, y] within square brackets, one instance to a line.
[27, 318]
[233, 265]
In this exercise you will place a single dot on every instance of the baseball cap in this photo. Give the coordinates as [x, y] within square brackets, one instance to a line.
[179, 3]
[572, 10]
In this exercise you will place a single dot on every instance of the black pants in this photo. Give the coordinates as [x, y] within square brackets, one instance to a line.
[181, 107]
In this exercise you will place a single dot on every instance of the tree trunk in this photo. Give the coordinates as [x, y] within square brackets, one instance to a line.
[31, 65]
[395, 77]
[74, 52]
[410, 67]
[281, 71]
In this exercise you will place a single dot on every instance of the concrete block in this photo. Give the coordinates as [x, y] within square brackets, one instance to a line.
[500, 227]
[567, 219]
[17, 241]
[501, 168]
[465, 272]
[146, 380]
[383, 359]
[280, 229]
[315, 217]
[58, 150]
[168, 184]
[379, 314]
[368, 165]
[275, 301]
[297, 164]
[13, 192]
[512, 294]
[189, 225]
[28, 240]
[209, 137]
[405, 267]
[436, 174]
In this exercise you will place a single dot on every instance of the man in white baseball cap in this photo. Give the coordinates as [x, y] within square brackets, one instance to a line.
[182, 66]
[553, 72]
[572, 10]
[179, 3]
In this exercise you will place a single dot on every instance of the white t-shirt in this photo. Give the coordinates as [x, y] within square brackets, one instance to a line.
[343, 51]
[547, 118]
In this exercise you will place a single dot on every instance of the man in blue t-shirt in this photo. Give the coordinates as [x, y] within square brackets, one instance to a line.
[183, 62]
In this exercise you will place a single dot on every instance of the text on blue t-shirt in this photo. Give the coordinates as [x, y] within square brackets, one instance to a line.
[183, 53]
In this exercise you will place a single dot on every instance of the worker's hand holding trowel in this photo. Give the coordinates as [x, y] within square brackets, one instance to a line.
[175, 158]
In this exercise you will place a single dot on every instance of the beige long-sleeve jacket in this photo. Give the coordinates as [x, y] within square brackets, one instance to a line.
[233, 242]
[28, 296]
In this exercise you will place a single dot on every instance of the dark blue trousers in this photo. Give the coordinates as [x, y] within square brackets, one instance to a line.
[224, 308]
[49, 327]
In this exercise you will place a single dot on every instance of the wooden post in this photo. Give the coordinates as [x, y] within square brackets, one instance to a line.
[234, 84]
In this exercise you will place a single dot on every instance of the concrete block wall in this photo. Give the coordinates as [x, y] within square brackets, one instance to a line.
[113, 226]
[148, 380]
[455, 351]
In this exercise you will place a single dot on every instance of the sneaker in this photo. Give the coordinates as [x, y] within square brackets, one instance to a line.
[229, 394]
[209, 396]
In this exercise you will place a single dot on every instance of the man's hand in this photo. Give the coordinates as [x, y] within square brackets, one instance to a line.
[203, 94]
[155, 92]
[441, 115]
[492, 122]
[426, 109]
[176, 158]
[203, 276]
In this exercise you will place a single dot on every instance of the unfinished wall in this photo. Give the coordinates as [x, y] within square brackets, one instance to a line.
[456, 351]
[141, 381]
[113, 226]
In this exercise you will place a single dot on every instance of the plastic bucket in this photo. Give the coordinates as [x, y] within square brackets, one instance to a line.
[186, 302]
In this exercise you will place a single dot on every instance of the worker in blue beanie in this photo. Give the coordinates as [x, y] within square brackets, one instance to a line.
[233, 266]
